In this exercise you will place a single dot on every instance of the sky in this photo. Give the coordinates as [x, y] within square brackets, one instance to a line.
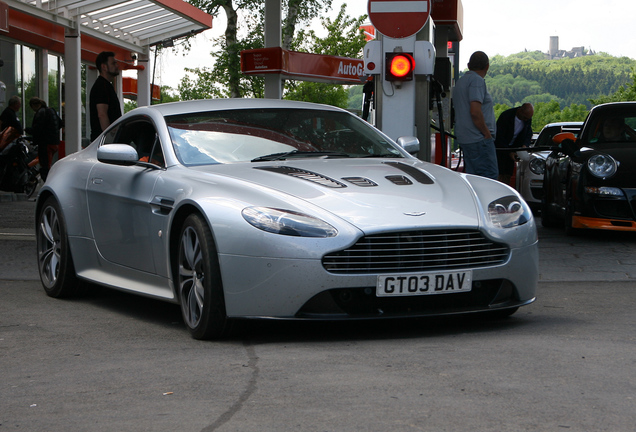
[494, 26]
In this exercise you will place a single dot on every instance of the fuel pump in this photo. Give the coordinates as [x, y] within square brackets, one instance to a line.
[394, 65]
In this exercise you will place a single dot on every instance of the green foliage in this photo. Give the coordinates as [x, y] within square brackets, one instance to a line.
[327, 94]
[570, 81]
[355, 99]
[345, 39]
[129, 105]
[560, 90]
[623, 94]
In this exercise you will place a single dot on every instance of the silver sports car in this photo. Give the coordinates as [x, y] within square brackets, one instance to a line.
[276, 209]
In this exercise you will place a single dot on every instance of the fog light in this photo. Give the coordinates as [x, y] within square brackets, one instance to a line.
[604, 191]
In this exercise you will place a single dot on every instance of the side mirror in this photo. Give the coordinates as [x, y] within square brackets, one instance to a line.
[558, 138]
[117, 154]
[409, 143]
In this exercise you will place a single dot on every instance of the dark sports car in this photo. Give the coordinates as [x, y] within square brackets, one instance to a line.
[589, 181]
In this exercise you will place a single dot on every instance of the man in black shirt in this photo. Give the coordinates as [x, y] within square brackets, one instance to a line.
[104, 105]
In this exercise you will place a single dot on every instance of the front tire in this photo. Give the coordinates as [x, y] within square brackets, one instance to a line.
[55, 263]
[199, 284]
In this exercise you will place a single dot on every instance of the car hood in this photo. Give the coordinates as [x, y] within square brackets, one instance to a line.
[365, 192]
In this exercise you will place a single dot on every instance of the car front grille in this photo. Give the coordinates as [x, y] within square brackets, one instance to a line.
[417, 251]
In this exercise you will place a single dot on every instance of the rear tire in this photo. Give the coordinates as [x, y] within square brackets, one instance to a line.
[55, 263]
[199, 285]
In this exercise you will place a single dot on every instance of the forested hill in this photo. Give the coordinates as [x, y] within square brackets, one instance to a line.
[529, 77]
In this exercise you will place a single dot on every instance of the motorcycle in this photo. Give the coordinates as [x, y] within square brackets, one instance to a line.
[19, 169]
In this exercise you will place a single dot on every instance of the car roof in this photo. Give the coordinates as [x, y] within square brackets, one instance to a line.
[182, 107]
[578, 123]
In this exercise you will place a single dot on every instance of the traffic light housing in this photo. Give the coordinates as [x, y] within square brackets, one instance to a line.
[399, 66]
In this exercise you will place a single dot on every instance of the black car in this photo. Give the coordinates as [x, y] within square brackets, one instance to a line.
[589, 181]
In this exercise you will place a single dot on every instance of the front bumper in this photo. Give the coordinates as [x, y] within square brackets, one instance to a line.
[607, 213]
[257, 287]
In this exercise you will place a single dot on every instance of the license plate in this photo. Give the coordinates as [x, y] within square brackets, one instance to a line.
[424, 283]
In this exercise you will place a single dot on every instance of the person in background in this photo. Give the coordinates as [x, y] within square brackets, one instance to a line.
[46, 133]
[475, 119]
[9, 116]
[104, 104]
[514, 129]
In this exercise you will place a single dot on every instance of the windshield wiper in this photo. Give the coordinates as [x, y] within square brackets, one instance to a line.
[295, 153]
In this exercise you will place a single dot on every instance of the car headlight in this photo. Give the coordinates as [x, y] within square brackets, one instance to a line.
[509, 212]
[537, 166]
[287, 222]
[602, 166]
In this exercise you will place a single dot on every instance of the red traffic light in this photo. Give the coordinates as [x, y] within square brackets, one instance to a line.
[399, 66]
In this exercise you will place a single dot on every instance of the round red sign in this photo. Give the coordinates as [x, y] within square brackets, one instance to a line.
[399, 18]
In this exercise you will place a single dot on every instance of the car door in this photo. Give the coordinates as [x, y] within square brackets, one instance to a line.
[119, 200]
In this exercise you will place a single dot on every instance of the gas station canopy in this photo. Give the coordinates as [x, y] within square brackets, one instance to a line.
[131, 24]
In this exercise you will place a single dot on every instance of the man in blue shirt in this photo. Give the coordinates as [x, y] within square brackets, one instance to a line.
[475, 125]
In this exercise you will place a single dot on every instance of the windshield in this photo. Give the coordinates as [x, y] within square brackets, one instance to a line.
[245, 135]
[611, 126]
[548, 132]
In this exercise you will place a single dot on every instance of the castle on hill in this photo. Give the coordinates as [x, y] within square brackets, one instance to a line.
[555, 53]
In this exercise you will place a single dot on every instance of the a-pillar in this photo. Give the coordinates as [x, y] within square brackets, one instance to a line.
[43, 65]
[73, 90]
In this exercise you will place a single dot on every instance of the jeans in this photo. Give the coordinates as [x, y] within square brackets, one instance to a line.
[480, 158]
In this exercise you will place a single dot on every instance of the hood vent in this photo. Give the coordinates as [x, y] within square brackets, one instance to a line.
[418, 175]
[305, 175]
[360, 181]
[399, 180]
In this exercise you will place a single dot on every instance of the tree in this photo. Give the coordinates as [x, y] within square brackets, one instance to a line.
[570, 81]
[225, 79]
[345, 39]
[623, 94]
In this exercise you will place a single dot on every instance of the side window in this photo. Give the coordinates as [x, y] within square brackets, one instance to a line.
[142, 136]
[109, 138]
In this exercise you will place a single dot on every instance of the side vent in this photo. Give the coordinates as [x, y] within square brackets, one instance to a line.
[304, 175]
[360, 181]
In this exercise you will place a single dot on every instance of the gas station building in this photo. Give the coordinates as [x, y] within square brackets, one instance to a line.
[48, 49]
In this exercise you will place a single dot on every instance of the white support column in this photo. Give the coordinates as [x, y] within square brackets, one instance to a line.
[73, 90]
[119, 89]
[144, 92]
[273, 38]
[44, 75]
